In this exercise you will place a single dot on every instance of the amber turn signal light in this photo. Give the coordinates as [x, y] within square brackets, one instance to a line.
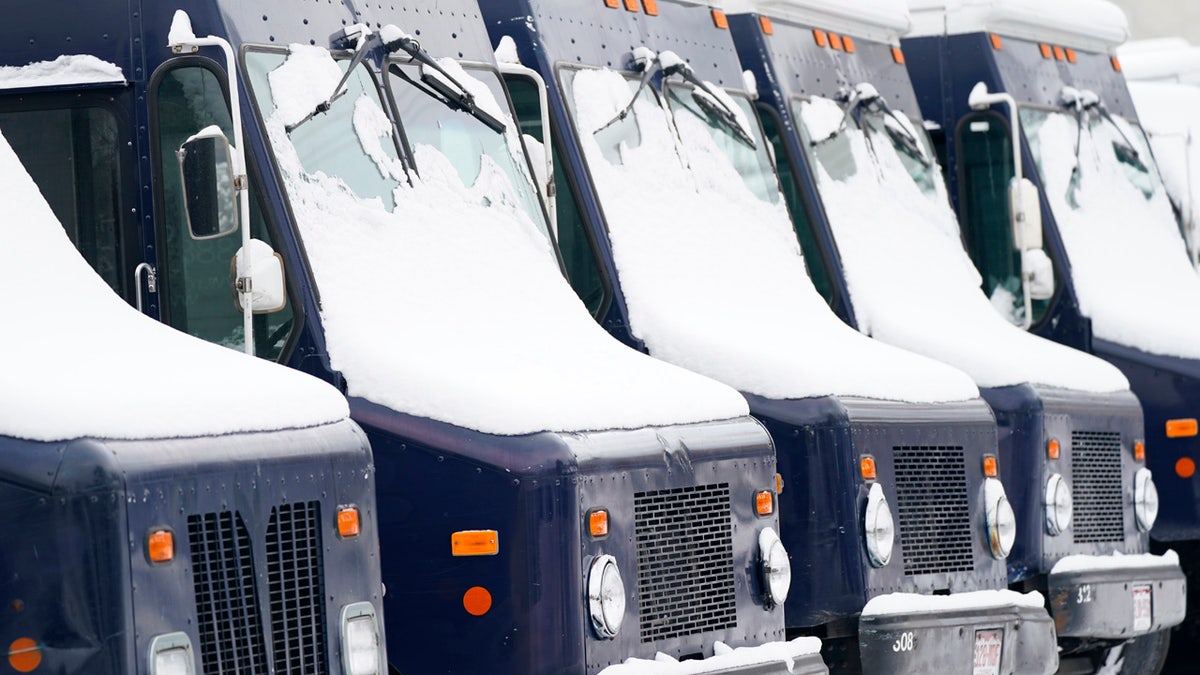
[1053, 449]
[598, 523]
[475, 542]
[347, 520]
[866, 466]
[1181, 428]
[764, 503]
[1139, 451]
[778, 484]
[160, 546]
[991, 468]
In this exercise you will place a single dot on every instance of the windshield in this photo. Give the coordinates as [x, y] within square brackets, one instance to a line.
[1129, 265]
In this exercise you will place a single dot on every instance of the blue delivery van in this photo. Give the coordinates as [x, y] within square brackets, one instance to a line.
[870, 204]
[673, 232]
[337, 187]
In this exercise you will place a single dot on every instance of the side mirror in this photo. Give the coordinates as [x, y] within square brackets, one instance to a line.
[979, 98]
[264, 270]
[209, 194]
[1025, 209]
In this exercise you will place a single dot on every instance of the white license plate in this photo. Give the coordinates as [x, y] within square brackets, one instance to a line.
[1143, 613]
[988, 644]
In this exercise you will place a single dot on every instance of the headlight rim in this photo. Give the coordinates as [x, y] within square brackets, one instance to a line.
[997, 507]
[601, 623]
[769, 544]
[356, 611]
[876, 504]
[1055, 482]
[1144, 486]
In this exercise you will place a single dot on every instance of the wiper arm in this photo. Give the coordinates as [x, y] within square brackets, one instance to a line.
[1086, 101]
[438, 83]
[365, 39]
[859, 95]
[645, 60]
[704, 96]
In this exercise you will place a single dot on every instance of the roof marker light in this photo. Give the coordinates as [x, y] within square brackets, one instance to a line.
[835, 41]
[1072, 57]
[719, 19]
[650, 7]
[997, 43]
[1059, 54]
[1047, 52]
[898, 55]
[631, 5]
[766, 26]
[848, 43]
[1116, 64]
[1182, 428]
[821, 37]
[612, 4]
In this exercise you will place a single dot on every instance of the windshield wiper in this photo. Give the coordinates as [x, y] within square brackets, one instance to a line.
[865, 97]
[438, 83]
[1085, 102]
[646, 61]
[852, 99]
[349, 35]
[704, 96]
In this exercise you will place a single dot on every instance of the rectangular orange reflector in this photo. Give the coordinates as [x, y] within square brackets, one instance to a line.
[764, 503]
[848, 43]
[160, 546]
[1181, 428]
[991, 468]
[766, 26]
[1072, 57]
[835, 41]
[1047, 52]
[898, 55]
[997, 43]
[598, 523]
[1116, 64]
[475, 542]
[866, 465]
[347, 520]
[650, 7]
[821, 37]
[1059, 54]
[719, 19]
[1139, 451]
[1053, 449]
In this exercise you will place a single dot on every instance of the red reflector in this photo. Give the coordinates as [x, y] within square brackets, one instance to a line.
[1185, 467]
[477, 601]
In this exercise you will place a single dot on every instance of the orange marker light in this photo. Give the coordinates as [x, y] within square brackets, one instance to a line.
[835, 41]
[1181, 428]
[764, 503]
[898, 55]
[778, 484]
[1047, 52]
[160, 546]
[598, 523]
[1072, 57]
[821, 37]
[866, 466]
[719, 19]
[347, 520]
[991, 467]
[766, 26]
[997, 43]
[477, 601]
[650, 7]
[24, 655]
[475, 542]
[1116, 64]
[612, 4]
[1053, 449]
[848, 43]
[1059, 54]
[1139, 451]
[1185, 467]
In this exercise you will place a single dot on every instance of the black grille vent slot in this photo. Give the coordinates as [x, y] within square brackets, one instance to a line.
[231, 637]
[294, 574]
[934, 514]
[685, 561]
[1096, 487]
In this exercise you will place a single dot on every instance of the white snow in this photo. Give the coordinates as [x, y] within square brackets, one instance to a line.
[724, 658]
[881, 20]
[451, 309]
[85, 364]
[1128, 261]
[1097, 25]
[913, 284]
[1162, 60]
[915, 603]
[1116, 561]
[181, 31]
[506, 51]
[713, 275]
[68, 69]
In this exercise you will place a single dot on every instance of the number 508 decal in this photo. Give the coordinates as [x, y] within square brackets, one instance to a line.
[906, 643]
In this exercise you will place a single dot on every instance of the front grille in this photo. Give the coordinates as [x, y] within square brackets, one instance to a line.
[231, 637]
[1096, 487]
[294, 574]
[685, 561]
[932, 504]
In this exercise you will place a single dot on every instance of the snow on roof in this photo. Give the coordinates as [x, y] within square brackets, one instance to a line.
[1165, 60]
[912, 283]
[1129, 265]
[452, 306]
[69, 69]
[882, 20]
[82, 363]
[1116, 561]
[713, 275]
[1096, 25]
[916, 603]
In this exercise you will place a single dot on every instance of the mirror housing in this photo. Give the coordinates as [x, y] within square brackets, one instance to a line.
[263, 271]
[1039, 272]
[1025, 210]
[206, 168]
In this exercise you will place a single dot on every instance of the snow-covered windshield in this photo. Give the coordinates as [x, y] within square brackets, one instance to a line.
[912, 283]
[1128, 262]
[442, 298]
[709, 264]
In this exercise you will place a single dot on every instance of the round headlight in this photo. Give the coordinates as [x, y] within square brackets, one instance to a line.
[1001, 521]
[879, 529]
[776, 567]
[1058, 505]
[1145, 499]
[606, 596]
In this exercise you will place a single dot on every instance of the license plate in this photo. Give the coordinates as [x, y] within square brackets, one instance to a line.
[1143, 613]
[988, 644]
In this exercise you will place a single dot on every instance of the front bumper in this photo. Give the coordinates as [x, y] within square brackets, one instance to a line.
[1117, 597]
[801, 656]
[911, 633]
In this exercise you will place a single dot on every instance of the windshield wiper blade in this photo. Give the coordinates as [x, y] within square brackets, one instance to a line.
[645, 60]
[1086, 101]
[704, 96]
[901, 135]
[438, 83]
[854, 97]
[365, 39]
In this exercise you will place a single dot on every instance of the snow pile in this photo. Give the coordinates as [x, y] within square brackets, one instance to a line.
[1097, 25]
[912, 283]
[1161, 60]
[724, 659]
[85, 364]
[713, 275]
[68, 69]
[452, 305]
[1128, 261]
[1116, 561]
[916, 603]
[879, 20]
